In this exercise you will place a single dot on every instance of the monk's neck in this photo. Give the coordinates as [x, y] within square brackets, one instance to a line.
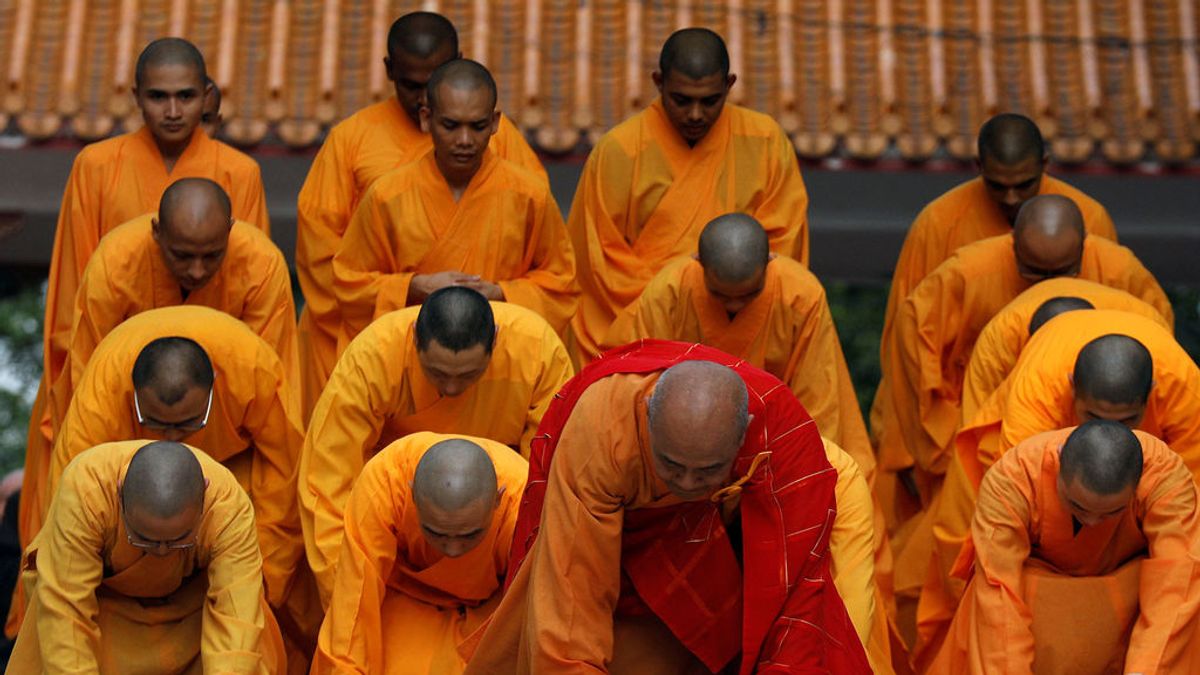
[171, 152]
[457, 181]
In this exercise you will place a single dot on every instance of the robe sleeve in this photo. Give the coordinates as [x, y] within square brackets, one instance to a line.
[992, 359]
[549, 287]
[816, 364]
[270, 312]
[91, 419]
[234, 619]
[852, 544]
[365, 279]
[352, 638]
[556, 370]
[70, 568]
[1034, 402]
[510, 144]
[1180, 409]
[247, 197]
[97, 311]
[784, 210]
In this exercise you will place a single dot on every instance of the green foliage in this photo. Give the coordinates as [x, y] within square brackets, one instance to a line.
[1186, 302]
[858, 312]
[21, 310]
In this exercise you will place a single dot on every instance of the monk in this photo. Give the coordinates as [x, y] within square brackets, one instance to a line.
[359, 149]
[196, 374]
[1012, 162]
[148, 565]
[1081, 365]
[429, 524]
[650, 472]
[456, 364]
[116, 180]
[1086, 556]
[1002, 339]
[211, 119]
[457, 216]
[191, 253]
[653, 182]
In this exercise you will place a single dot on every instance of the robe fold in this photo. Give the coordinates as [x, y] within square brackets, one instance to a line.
[1035, 398]
[399, 606]
[505, 227]
[359, 149]
[378, 392]
[1123, 593]
[645, 196]
[101, 605]
[600, 538]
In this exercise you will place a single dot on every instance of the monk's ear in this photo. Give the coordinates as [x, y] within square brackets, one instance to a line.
[208, 90]
[495, 123]
[387, 68]
[657, 76]
[729, 80]
[696, 256]
[749, 421]
[500, 493]
[771, 256]
[426, 124]
[156, 229]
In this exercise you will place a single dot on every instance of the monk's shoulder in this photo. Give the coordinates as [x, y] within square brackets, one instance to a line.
[626, 140]
[799, 287]
[1087, 205]
[131, 239]
[522, 331]
[251, 245]
[405, 179]
[240, 167]
[523, 181]
[385, 338]
[943, 215]
[749, 123]
[101, 152]
[363, 126]
[678, 277]
[981, 258]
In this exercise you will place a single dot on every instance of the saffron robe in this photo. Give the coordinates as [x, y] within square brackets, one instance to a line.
[378, 392]
[101, 605]
[505, 227]
[1002, 339]
[1040, 382]
[399, 606]
[600, 537]
[645, 196]
[358, 150]
[1043, 598]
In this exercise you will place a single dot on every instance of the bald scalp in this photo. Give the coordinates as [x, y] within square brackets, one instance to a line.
[462, 75]
[1055, 306]
[1051, 216]
[422, 35]
[698, 402]
[163, 480]
[734, 248]
[457, 318]
[192, 200]
[1114, 369]
[454, 474]
[1009, 138]
[170, 367]
[695, 53]
[1104, 456]
[169, 51]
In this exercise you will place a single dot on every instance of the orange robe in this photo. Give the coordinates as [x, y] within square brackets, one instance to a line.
[359, 149]
[1047, 598]
[378, 392]
[112, 182]
[505, 227]
[102, 606]
[1002, 339]
[399, 606]
[645, 196]
[1038, 397]
[959, 217]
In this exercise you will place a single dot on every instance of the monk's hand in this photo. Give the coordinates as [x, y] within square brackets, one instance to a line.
[486, 288]
[422, 285]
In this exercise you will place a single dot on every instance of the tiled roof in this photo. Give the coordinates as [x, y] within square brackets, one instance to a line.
[1110, 79]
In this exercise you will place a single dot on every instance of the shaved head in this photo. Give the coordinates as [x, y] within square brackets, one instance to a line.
[1103, 456]
[734, 248]
[1048, 238]
[462, 75]
[163, 480]
[169, 367]
[169, 51]
[454, 474]
[1010, 139]
[422, 35]
[1055, 306]
[695, 53]
[1114, 369]
[457, 318]
[195, 200]
[192, 231]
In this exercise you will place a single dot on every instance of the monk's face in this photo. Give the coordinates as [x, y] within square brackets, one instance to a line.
[693, 105]
[1090, 508]
[451, 372]
[210, 115]
[409, 75]
[171, 96]
[161, 536]
[1039, 258]
[192, 242]
[1088, 409]
[456, 533]
[461, 124]
[693, 453]
[1010, 186]
[735, 295]
[172, 421]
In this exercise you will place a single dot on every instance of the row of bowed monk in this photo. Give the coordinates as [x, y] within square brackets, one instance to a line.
[500, 442]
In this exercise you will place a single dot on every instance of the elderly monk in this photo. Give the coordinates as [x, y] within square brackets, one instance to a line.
[211, 119]
[652, 533]
[1086, 556]
[429, 525]
[652, 183]
[1000, 342]
[358, 150]
[1082, 365]
[456, 364]
[148, 564]
[196, 374]
[458, 216]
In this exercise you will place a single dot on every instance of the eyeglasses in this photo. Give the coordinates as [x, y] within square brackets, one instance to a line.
[167, 426]
[148, 545]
